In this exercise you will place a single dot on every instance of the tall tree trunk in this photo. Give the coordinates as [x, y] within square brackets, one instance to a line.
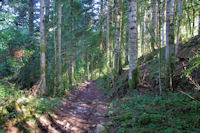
[59, 44]
[144, 31]
[164, 23]
[31, 17]
[127, 44]
[43, 88]
[133, 73]
[153, 24]
[169, 30]
[180, 6]
[108, 35]
[101, 38]
[55, 51]
[71, 58]
[169, 50]
[159, 41]
[47, 34]
[118, 37]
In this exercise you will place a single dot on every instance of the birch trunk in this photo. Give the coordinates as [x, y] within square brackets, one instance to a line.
[132, 15]
[180, 6]
[43, 88]
[59, 44]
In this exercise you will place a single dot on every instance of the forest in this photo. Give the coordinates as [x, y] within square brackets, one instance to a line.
[99, 66]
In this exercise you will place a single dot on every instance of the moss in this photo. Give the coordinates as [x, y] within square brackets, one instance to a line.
[135, 79]
[43, 48]
[43, 69]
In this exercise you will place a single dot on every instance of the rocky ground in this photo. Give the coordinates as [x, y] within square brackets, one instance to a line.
[85, 111]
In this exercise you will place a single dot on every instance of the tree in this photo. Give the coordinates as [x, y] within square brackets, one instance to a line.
[169, 50]
[133, 70]
[71, 75]
[169, 29]
[101, 38]
[31, 17]
[118, 37]
[153, 24]
[59, 44]
[43, 87]
[108, 35]
[180, 6]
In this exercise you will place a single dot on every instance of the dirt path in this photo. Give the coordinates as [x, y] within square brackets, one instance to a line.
[83, 112]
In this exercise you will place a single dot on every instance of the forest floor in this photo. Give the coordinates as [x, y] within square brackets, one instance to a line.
[84, 111]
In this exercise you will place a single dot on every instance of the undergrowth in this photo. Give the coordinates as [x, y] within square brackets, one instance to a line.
[16, 108]
[169, 113]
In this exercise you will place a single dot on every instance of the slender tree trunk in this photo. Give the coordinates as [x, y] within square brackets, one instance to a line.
[180, 6]
[169, 50]
[101, 39]
[144, 28]
[55, 51]
[164, 23]
[118, 38]
[59, 44]
[31, 17]
[88, 67]
[71, 58]
[47, 6]
[159, 41]
[153, 24]
[132, 14]
[127, 44]
[169, 29]
[43, 87]
[108, 35]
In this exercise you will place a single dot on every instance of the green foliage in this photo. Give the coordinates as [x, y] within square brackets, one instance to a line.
[150, 113]
[19, 108]
[194, 64]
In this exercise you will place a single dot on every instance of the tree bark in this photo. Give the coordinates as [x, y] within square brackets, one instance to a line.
[132, 14]
[169, 30]
[31, 17]
[180, 6]
[108, 35]
[164, 23]
[101, 38]
[43, 88]
[59, 44]
[159, 41]
[55, 51]
[71, 75]
[118, 37]
[153, 24]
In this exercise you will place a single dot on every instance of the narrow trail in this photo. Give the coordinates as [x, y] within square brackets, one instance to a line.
[83, 112]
